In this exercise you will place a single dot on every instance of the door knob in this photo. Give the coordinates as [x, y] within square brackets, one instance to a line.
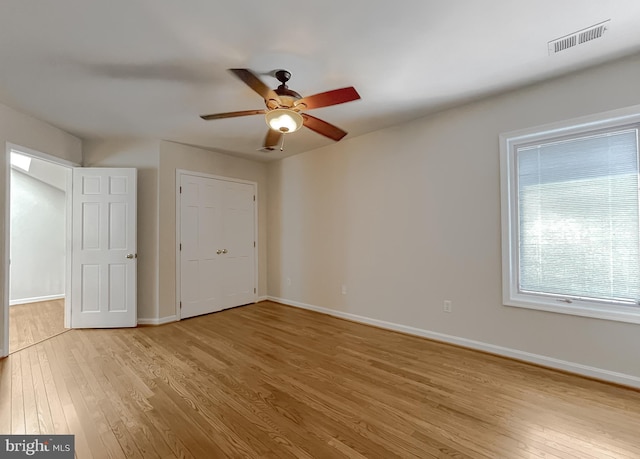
[219, 251]
[132, 255]
[224, 250]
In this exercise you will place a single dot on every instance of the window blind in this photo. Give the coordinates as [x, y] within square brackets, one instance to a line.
[579, 231]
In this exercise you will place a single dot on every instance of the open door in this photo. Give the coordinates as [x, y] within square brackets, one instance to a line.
[104, 258]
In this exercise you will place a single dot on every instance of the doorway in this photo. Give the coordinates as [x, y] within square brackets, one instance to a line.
[104, 223]
[38, 243]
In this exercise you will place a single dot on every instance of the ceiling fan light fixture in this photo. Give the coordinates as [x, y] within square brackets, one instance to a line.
[284, 120]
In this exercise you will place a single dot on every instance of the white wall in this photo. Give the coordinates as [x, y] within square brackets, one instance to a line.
[37, 239]
[20, 129]
[410, 216]
[50, 173]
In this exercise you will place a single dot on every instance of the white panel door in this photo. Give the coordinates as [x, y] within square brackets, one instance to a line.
[104, 259]
[238, 262]
[200, 251]
[217, 239]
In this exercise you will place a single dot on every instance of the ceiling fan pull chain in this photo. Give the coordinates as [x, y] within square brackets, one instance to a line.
[282, 144]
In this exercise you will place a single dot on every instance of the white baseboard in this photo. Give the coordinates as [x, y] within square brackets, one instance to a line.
[35, 299]
[549, 362]
[174, 318]
[160, 321]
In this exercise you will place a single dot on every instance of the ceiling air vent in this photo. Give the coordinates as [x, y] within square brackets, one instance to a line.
[578, 38]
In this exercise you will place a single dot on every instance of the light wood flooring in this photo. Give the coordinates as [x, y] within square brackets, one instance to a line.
[268, 380]
[34, 322]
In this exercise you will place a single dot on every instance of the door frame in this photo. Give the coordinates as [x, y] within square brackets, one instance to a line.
[179, 174]
[69, 165]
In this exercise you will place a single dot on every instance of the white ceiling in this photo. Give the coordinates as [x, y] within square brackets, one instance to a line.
[149, 68]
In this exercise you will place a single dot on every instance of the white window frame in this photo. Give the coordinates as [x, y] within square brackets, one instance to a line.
[509, 142]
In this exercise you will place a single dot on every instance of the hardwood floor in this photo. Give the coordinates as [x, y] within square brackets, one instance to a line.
[34, 322]
[268, 380]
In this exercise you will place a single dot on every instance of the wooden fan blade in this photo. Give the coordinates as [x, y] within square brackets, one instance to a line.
[322, 127]
[217, 116]
[255, 83]
[272, 138]
[325, 99]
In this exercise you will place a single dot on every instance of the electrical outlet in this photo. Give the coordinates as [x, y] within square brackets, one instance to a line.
[447, 306]
[344, 289]
[288, 281]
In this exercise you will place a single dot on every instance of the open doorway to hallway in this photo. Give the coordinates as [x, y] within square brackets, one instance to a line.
[38, 249]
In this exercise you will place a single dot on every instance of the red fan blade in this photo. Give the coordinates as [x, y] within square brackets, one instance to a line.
[251, 80]
[325, 99]
[217, 116]
[272, 139]
[322, 127]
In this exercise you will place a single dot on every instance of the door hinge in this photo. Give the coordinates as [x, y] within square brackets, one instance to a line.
[181, 246]
[180, 189]
[254, 198]
[254, 243]
[254, 290]
[181, 305]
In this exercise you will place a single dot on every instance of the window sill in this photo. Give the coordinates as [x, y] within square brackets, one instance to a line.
[628, 314]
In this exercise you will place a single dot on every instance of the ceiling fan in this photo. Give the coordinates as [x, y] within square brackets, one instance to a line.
[285, 108]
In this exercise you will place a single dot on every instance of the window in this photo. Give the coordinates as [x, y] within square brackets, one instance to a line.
[570, 217]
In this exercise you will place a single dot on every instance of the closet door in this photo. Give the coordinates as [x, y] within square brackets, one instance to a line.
[201, 237]
[239, 244]
[217, 244]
